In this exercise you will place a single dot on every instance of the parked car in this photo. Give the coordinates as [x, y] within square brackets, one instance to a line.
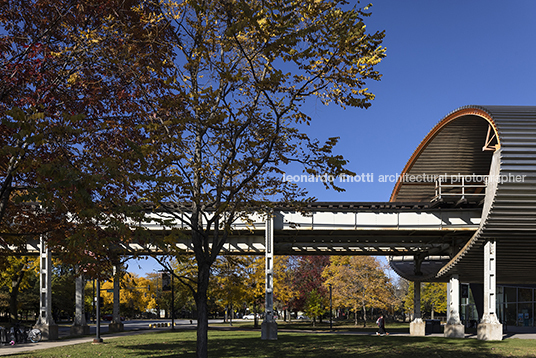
[250, 316]
[109, 317]
[305, 318]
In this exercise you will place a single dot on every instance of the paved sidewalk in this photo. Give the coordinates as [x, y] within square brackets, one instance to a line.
[27, 347]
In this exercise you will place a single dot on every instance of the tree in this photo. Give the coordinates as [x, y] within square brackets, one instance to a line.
[17, 275]
[135, 295]
[401, 292]
[63, 290]
[315, 305]
[62, 167]
[307, 277]
[284, 291]
[33, 133]
[192, 106]
[230, 283]
[433, 298]
[102, 38]
[256, 282]
[218, 139]
[359, 282]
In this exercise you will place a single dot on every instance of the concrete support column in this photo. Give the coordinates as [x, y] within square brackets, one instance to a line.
[116, 325]
[490, 329]
[417, 327]
[454, 327]
[79, 326]
[45, 322]
[269, 326]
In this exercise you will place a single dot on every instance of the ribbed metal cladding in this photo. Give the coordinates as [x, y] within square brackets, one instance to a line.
[455, 148]
[511, 218]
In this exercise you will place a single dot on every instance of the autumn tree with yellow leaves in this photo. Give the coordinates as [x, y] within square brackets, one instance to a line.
[230, 283]
[136, 295]
[433, 298]
[359, 283]
[237, 282]
[284, 291]
[16, 274]
[220, 135]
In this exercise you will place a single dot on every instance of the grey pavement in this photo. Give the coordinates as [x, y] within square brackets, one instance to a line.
[142, 326]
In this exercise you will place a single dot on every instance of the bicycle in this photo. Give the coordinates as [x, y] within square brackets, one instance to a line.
[21, 334]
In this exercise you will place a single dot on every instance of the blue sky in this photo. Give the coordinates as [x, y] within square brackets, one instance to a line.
[441, 55]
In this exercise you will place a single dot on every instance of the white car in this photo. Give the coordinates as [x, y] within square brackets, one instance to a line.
[249, 316]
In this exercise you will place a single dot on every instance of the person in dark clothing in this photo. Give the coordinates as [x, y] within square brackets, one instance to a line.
[381, 326]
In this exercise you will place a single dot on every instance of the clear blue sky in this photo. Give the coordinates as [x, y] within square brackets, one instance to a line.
[441, 55]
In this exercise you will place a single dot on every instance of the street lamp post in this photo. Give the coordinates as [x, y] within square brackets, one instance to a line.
[330, 309]
[172, 303]
[93, 303]
[166, 286]
[98, 338]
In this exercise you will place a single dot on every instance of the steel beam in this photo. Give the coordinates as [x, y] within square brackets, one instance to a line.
[269, 326]
[45, 321]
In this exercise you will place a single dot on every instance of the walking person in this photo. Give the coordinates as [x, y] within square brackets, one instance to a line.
[381, 326]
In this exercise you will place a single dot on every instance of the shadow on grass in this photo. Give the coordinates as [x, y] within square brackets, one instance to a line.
[249, 344]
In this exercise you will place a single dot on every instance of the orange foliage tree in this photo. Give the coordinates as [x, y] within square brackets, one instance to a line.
[359, 283]
[66, 122]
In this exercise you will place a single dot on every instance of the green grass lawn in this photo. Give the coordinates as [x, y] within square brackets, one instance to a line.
[247, 343]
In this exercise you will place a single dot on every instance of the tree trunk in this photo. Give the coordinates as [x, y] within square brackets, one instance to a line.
[364, 316]
[14, 294]
[13, 304]
[202, 314]
[255, 319]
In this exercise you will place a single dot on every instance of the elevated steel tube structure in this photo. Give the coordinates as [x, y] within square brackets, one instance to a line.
[496, 144]
[477, 141]
[331, 228]
[482, 234]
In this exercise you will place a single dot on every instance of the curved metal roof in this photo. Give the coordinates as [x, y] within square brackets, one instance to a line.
[455, 146]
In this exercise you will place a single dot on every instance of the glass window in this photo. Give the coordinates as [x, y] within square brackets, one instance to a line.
[500, 313]
[510, 294]
[525, 314]
[510, 313]
[525, 294]
[500, 295]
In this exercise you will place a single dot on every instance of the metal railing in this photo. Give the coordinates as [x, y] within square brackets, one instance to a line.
[445, 189]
